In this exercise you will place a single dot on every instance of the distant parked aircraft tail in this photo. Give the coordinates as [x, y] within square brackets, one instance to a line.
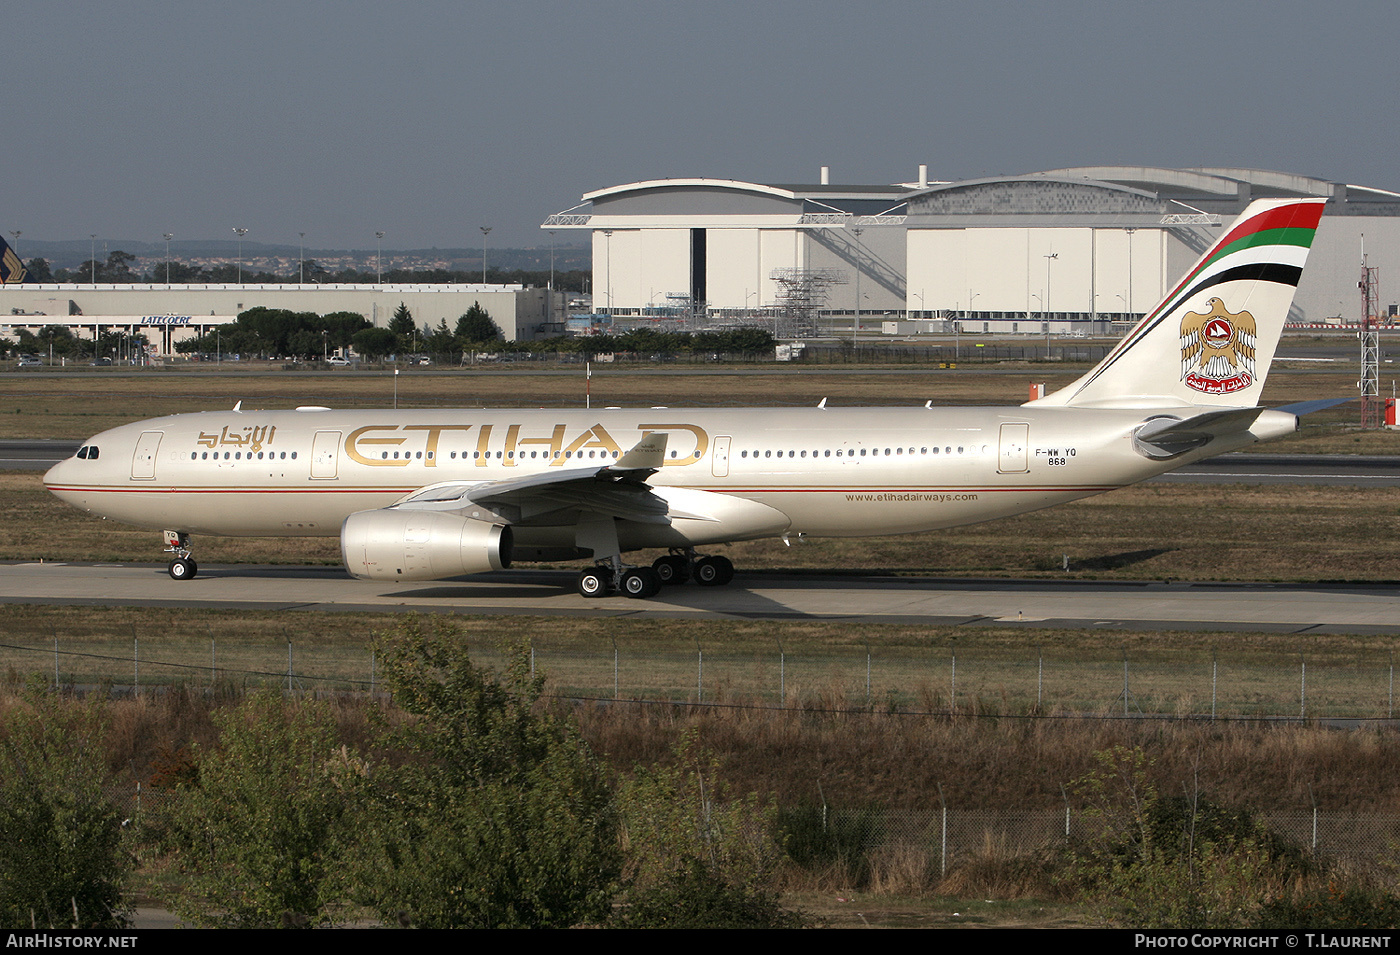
[11, 268]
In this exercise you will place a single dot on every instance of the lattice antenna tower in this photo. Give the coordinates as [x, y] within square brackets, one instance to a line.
[802, 293]
[1370, 382]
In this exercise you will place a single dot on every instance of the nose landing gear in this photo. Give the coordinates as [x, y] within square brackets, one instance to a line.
[182, 565]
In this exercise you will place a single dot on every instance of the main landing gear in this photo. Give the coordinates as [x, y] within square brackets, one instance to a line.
[613, 577]
[182, 565]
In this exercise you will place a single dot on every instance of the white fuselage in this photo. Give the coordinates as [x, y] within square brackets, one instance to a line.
[830, 472]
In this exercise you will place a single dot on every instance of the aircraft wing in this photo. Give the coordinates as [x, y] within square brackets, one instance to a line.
[619, 490]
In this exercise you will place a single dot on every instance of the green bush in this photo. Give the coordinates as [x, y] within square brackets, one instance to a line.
[1335, 907]
[820, 838]
[696, 896]
[63, 858]
[501, 818]
[1174, 862]
[261, 833]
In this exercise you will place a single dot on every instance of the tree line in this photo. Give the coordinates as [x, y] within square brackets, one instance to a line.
[282, 333]
[121, 268]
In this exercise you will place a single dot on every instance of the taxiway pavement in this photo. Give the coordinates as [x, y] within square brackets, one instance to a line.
[1317, 608]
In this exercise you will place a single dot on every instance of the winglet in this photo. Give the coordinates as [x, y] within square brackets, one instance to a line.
[647, 454]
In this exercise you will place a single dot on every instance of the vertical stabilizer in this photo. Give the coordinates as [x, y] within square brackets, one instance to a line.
[1211, 340]
[11, 268]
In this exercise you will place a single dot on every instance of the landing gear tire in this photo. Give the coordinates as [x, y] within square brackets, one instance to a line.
[182, 568]
[671, 569]
[641, 582]
[713, 571]
[593, 582]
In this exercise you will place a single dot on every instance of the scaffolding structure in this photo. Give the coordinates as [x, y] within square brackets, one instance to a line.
[1370, 383]
[802, 293]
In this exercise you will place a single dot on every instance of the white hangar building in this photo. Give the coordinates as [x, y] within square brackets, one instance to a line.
[1074, 248]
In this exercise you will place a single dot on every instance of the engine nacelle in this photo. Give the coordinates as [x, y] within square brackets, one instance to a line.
[416, 544]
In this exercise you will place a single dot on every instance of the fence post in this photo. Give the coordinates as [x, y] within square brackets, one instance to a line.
[867, 675]
[782, 673]
[943, 835]
[1214, 663]
[1302, 688]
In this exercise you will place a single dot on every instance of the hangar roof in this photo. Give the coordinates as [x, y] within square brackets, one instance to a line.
[1126, 189]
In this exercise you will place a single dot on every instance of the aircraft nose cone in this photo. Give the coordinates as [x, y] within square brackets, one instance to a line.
[59, 478]
[54, 475]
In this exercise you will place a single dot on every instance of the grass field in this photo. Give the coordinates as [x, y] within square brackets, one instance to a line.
[1152, 531]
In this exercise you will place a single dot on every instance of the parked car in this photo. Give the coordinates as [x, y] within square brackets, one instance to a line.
[28, 362]
[335, 361]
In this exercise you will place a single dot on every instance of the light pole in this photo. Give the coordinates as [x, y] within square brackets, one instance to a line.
[168, 237]
[240, 233]
[485, 231]
[378, 252]
[93, 260]
[551, 261]
[301, 259]
[855, 324]
[1048, 259]
[1129, 300]
[607, 265]
[17, 233]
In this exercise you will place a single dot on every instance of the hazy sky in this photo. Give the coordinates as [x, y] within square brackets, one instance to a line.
[428, 119]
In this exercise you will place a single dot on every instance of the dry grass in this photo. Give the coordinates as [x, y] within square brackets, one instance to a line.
[896, 763]
[1152, 532]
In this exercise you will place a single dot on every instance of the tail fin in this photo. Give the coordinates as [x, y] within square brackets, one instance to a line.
[11, 268]
[1211, 340]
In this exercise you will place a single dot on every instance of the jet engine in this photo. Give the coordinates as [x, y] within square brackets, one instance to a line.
[413, 544]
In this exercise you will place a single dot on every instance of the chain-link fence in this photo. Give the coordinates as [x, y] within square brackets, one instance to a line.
[1181, 684]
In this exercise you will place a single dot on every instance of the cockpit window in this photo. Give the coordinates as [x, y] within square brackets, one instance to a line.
[88, 452]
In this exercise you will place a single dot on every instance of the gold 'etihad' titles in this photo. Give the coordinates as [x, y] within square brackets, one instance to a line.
[253, 437]
[392, 445]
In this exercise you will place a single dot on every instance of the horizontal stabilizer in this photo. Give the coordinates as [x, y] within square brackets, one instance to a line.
[1168, 436]
[1317, 404]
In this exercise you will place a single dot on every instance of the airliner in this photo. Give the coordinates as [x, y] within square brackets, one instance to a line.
[434, 494]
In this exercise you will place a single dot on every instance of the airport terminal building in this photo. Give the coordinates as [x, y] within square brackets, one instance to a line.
[1065, 250]
[167, 314]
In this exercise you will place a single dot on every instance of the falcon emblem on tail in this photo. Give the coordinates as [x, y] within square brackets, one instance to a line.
[1217, 349]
